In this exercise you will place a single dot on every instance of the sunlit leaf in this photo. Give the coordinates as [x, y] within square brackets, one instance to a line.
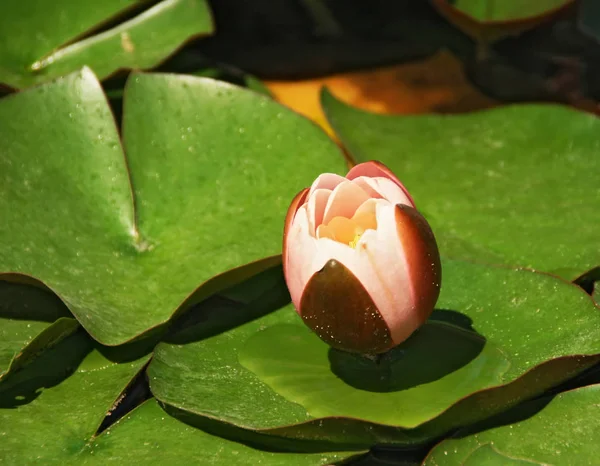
[558, 431]
[42, 40]
[208, 173]
[499, 336]
[516, 185]
[434, 85]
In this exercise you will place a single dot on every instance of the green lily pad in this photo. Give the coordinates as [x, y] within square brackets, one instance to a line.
[27, 315]
[49, 40]
[404, 385]
[274, 377]
[559, 431]
[56, 423]
[148, 435]
[61, 420]
[197, 151]
[517, 185]
[506, 10]
[27, 352]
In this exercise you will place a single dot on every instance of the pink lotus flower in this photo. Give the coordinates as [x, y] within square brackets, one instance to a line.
[361, 263]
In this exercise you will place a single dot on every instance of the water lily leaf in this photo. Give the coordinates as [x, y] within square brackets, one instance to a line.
[516, 185]
[27, 324]
[491, 20]
[52, 423]
[197, 151]
[512, 337]
[148, 435]
[288, 359]
[43, 42]
[506, 10]
[435, 84]
[25, 353]
[535, 439]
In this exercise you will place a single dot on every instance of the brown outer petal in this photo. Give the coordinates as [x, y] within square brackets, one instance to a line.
[289, 218]
[336, 306]
[422, 257]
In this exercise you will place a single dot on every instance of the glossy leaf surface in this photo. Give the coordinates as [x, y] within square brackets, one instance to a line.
[516, 185]
[148, 435]
[66, 413]
[272, 375]
[195, 151]
[560, 431]
[506, 10]
[41, 42]
[29, 324]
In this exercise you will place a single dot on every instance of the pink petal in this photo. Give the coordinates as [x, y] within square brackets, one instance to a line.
[301, 249]
[383, 188]
[380, 264]
[368, 208]
[390, 284]
[289, 219]
[326, 181]
[316, 208]
[375, 169]
[343, 201]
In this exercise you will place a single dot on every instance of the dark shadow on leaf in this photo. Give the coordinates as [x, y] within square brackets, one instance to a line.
[134, 349]
[531, 408]
[455, 318]
[254, 298]
[390, 456]
[590, 376]
[435, 350]
[45, 371]
[251, 438]
[589, 280]
[514, 415]
[27, 302]
[136, 392]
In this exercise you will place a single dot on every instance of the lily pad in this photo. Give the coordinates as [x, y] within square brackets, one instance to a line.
[148, 435]
[125, 241]
[44, 41]
[330, 383]
[506, 10]
[518, 333]
[55, 425]
[516, 185]
[489, 21]
[558, 431]
[27, 315]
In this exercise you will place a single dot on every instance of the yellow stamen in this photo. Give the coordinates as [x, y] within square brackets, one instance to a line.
[354, 242]
[348, 231]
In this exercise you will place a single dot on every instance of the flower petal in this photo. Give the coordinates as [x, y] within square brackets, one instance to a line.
[289, 218]
[381, 269]
[388, 279]
[299, 254]
[366, 215]
[375, 169]
[326, 181]
[338, 309]
[343, 201]
[383, 188]
[340, 229]
[422, 256]
[316, 208]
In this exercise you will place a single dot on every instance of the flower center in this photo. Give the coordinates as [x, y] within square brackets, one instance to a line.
[348, 230]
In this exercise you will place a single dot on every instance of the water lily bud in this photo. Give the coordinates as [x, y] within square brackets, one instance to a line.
[361, 263]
